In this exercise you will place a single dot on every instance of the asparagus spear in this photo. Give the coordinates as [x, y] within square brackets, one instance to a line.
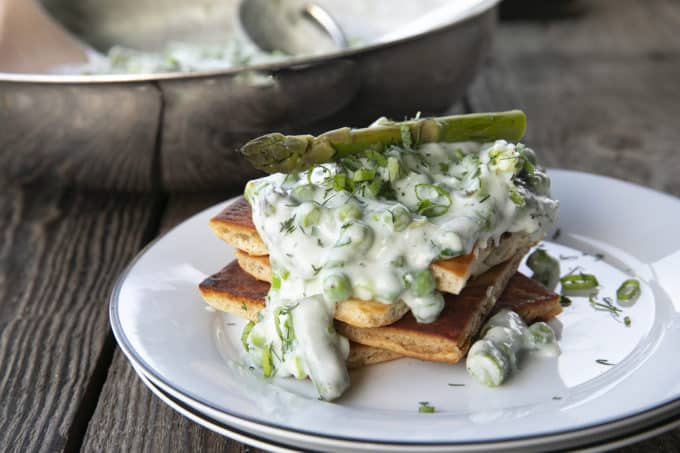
[292, 153]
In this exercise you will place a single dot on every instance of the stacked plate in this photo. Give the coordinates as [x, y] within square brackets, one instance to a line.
[614, 383]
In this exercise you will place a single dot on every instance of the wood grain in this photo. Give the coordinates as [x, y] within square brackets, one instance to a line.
[129, 411]
[59, 255]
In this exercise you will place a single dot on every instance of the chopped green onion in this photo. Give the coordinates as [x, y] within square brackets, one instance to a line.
[340, 181]
[276, 282]
[267, 365]
[425, 408]
[244, 335]
[375, 186]
[277, 321]
[300, 372]
[406, 139]
[363, 174]
[577, 282]
[433, 200]
[627, 321]
[546, 268]
[393, 168]
[376, 157]
[351, 163]
[517, 197]
[629, 290]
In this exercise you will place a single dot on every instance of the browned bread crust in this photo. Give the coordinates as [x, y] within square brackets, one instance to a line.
[447, 339]
[234, 225]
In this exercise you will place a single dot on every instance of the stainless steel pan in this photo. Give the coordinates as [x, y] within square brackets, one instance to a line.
[180, 131]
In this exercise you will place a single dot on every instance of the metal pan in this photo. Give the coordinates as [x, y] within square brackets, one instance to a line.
[180, 131]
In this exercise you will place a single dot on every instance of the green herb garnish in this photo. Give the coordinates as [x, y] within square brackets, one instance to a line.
[425, 408]
[267, 365]
[244, 335]
[363, 174]
[605, 305]
[406, 139]
[604, 362]
[288, 225]
[578, 282]
[565, 301]
[433, 200]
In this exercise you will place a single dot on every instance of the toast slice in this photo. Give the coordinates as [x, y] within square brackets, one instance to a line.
[234, 291]
[237, 292]
[234, 225]
[448, 338]
[356, 312]
[244, 289]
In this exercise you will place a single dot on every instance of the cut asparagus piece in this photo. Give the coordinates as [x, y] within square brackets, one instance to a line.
[293, 153]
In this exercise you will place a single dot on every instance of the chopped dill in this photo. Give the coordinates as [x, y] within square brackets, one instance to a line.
[287, 225]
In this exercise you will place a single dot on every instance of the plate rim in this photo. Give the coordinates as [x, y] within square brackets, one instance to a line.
[667, 410]
[599, 443]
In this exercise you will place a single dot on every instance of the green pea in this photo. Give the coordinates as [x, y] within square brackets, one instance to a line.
[305, 192]
[336, 287]
[542, 333]
[350, 211]
[356, 236]
[401, 218]
[421, 283]
[308, 214]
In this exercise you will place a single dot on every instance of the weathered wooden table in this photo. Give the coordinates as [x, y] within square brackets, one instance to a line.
[599, 80]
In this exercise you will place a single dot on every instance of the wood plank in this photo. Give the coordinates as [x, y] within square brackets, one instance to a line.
[59, 255]
[141, 422]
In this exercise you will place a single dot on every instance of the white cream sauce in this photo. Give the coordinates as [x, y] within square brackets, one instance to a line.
[369, 227]
[504, 337]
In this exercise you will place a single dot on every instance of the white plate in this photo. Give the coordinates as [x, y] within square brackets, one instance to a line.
[613, 435]
[167, 331]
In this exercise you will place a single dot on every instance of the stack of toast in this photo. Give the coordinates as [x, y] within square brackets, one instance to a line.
[474, 286]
